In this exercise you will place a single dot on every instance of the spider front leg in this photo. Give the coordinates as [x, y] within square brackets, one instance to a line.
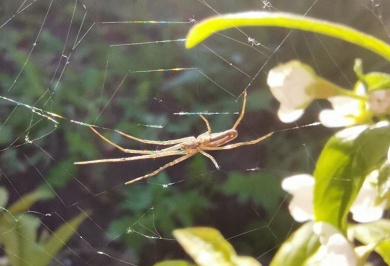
[155, 142]
[207, 123]
[151, 142]
[152, 155]
[242, 111]
[241, 116]
[239, 144]
[176, 161]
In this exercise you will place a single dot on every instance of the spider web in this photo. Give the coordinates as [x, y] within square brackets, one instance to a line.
[122, 65]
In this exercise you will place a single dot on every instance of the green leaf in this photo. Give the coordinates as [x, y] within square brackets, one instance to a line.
[298, 248]
[18, 237]
[174, 263]
[376, 232]
[58, 174]
[207, 246]
[260, 189]
[34, 74]
[377, 81]
[18, 229]
[204, 29]
[246, 261]
[341, 169]
[57, 241]
[358, 68]
[28, 200]
[384, 181]
[372, 81]
[3, 197]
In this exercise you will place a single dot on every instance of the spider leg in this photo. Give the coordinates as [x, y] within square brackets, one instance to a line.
[172, 163]
[207, 123]
[152, 155]
[242, 111]
[155, 142]
[239, 144]
[211, 158]
[147, 152]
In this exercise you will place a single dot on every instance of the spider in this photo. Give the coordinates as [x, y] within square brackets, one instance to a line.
[183, 147]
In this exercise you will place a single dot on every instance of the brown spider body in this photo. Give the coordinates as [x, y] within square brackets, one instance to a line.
[184, 147]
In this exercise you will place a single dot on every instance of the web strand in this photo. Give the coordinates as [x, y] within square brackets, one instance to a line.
[70, 65]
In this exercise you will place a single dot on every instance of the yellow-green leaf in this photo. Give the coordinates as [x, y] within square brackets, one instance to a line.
[298, 248]
[348, 157]
[18, 237]
[174, 263]
[208, 247]
[205, 28]
[3, 197]
[24, 203]
[58, 240]
[378, 233]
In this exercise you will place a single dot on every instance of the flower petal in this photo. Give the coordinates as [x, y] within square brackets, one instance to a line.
[365, 209]
[347, 111]
[388, 155]
[289, 83]
[301, 188]
[332, 118]
[288, 116]
[335, 249]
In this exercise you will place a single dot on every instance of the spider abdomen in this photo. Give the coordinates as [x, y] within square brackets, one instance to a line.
[217, 139]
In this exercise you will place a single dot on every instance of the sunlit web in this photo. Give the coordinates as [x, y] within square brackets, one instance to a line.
[122, 65]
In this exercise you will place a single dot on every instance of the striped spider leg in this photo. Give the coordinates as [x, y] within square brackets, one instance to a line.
[183, 147]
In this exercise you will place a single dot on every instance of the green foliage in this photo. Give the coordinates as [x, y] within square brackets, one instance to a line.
[383, 184]
[345, 161]
[374, 235]
[372, 81]
[90, 91]
[347, 158]
[87, 92]
[174, 263]
[172, 208]
[58, 175]
[262, 190]
[18, 231]
[298, 247]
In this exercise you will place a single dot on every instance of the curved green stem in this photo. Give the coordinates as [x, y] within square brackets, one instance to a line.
[209, 26]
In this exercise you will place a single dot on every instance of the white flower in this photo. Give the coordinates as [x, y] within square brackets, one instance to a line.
[388, 155]
[335, 249]
[288, 84]
[364, 209]
[301, 205]
[295, 86]
[347, 111]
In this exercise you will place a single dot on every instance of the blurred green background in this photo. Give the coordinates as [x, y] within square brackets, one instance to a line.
[91, 71]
